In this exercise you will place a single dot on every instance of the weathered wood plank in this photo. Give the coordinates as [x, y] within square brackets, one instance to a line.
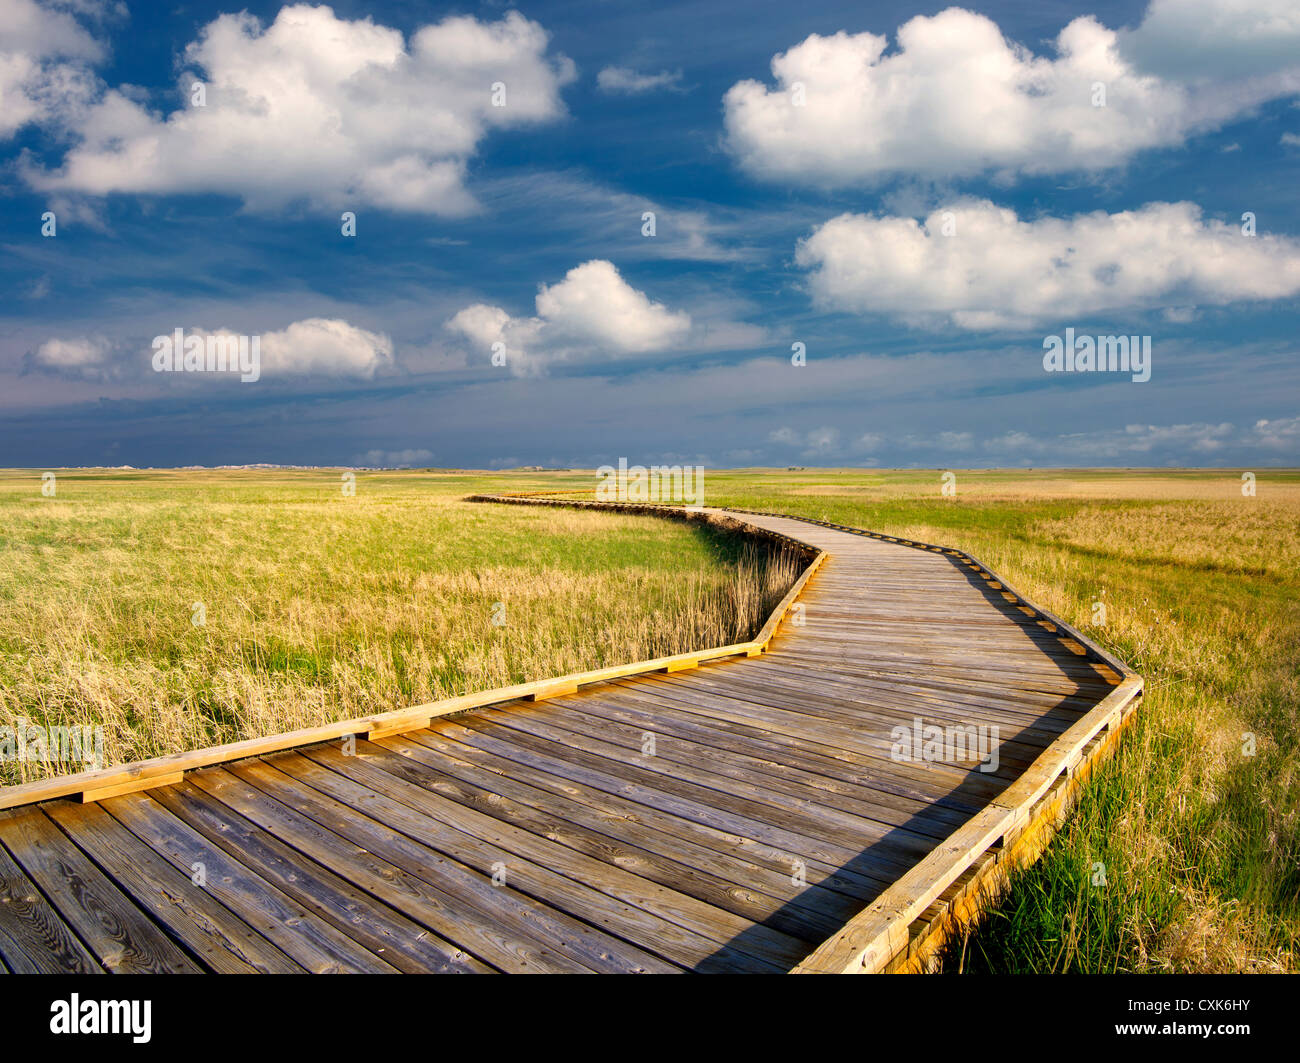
[454, 900]
[122, 937]
[34, 939]
[768, 868]
[384, 930]
[684, 930]
[192, 916]
[664, 888]
[317, 945]
[738, 886]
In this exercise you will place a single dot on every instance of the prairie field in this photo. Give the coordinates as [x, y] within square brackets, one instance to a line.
[1183, 855]
[178, 610]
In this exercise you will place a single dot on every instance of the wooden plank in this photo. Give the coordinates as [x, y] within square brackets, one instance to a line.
[867, 842]
[396, 729]
[740, 886]
[950, 677]
[684, 742]
[1021, 735]
[120, 936]
[926, 780]
[750, 860]
[553, 689]
[755, 837]
[774, 752]
[683, 930]
[317, 945]
[378, 926]
[876, 711]
[34, 939]
[451, 899]
[101, 793]
[747, 814]
[726, 707]
[615, 878]
[192, 916]
[705, 763]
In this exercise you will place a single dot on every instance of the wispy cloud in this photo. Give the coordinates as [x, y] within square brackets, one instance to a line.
[626, 81]
[393, 459]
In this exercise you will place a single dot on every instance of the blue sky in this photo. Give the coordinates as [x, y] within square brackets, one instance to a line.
[918, 195]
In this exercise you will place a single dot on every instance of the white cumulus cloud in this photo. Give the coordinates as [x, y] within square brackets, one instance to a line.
[72, 353]
[45, 65]
[325, 347]
[996, 270]
[75, 357]
[1215, 39]
[319, 108]
[955, 98]
[592, 313]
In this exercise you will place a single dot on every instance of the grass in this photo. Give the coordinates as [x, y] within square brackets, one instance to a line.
[179, 610]
[320, 606]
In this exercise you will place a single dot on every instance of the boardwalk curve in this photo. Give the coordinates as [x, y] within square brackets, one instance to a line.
[738, 809]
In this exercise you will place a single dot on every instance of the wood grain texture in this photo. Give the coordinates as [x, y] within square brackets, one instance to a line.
[121, 936]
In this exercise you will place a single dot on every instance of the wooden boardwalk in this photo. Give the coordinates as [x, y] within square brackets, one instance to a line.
[748, 814]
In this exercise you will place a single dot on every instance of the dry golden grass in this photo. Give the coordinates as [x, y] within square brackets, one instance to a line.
[1235, 536]
[997, 485]
[318, 607]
